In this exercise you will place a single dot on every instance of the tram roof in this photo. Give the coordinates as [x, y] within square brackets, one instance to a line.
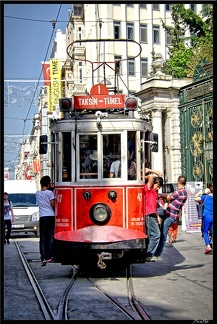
[111, 118]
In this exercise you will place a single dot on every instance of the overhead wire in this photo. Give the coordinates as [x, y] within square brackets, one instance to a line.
[54, 21]
[53, 25]
[105, 20]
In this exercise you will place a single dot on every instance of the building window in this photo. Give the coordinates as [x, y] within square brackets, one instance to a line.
[143, 34]
[144, 67]
[26, 154]
[77, 9]
[155, 6]
[80, 71]
[131, 66]
[129, 31]
[143, 5]
[117, 27]
[129, 5]
[168, 38]
[79, 34]
[118, 67]
[193, 7]
[156, 34]
[168, 7]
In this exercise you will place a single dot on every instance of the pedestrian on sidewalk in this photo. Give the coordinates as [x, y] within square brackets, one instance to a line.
[46, 203]
[173, 231]
[205, 191]
[8, 217]
[207, 200]
[176, 201]
[152, 219]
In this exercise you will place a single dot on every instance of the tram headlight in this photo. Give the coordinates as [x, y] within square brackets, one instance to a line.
[100, 214]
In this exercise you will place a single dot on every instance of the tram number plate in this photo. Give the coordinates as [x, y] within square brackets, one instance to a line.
[106, 256]
[18, 226]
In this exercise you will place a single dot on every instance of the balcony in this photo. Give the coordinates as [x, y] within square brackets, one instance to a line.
[79, 51]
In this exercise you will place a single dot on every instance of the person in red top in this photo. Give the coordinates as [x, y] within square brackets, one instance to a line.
[152, 219]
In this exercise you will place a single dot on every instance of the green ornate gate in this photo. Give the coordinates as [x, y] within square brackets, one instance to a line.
[196, 125]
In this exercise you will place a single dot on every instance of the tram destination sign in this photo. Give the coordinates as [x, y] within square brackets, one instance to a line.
[103, 101]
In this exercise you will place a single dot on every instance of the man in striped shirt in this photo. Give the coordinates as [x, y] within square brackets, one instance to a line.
[176, 200]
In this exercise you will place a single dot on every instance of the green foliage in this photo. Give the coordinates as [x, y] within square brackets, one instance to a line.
[184, 58]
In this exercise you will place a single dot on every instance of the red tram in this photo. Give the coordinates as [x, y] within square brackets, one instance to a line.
[99, 214]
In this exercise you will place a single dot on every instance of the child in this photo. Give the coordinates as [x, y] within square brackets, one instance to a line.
[173, 231]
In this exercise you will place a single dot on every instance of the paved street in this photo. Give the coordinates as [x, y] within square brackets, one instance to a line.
[178, 288]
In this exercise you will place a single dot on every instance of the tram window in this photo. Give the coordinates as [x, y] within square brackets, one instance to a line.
[111, 153]
[131, 157]
[143, 158]
[66, 163]
[88, 157]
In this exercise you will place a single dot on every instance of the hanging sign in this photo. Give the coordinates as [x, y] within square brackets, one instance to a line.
[99, 99]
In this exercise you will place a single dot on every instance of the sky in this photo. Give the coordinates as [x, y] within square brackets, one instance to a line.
[28, 39]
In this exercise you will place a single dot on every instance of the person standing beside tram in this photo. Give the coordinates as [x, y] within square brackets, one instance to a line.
[46, 203]
[152, 219]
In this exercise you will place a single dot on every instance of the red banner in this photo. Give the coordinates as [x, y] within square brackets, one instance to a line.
[46, 73]
[36, 166]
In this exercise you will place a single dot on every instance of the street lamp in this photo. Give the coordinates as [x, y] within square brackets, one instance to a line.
[209, 151]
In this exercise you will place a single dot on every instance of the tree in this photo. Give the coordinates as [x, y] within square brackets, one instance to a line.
[183, 58]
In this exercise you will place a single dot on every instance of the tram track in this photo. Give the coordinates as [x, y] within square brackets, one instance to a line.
[133, 310]
[128, 304]
[46, 310]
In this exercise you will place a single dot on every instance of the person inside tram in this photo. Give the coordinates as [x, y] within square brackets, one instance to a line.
[65, 173]
[91, 165]
[131, 166]
[115, 170]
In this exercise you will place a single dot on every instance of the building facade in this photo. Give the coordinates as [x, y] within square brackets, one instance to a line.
[138, 24]
[128, 34]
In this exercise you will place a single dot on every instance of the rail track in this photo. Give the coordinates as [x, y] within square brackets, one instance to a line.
[81, 291]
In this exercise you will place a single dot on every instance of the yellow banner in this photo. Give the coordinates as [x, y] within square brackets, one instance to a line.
[56, 86]
[49, 101]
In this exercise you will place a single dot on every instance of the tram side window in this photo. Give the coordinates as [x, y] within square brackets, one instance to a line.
[66, 149]
[111, 155]
[131, 155]
[88, 156]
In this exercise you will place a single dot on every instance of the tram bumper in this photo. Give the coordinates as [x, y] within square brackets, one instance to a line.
[111, 242]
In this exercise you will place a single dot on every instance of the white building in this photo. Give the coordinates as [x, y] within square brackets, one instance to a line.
[130, 34]
[138, 23]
